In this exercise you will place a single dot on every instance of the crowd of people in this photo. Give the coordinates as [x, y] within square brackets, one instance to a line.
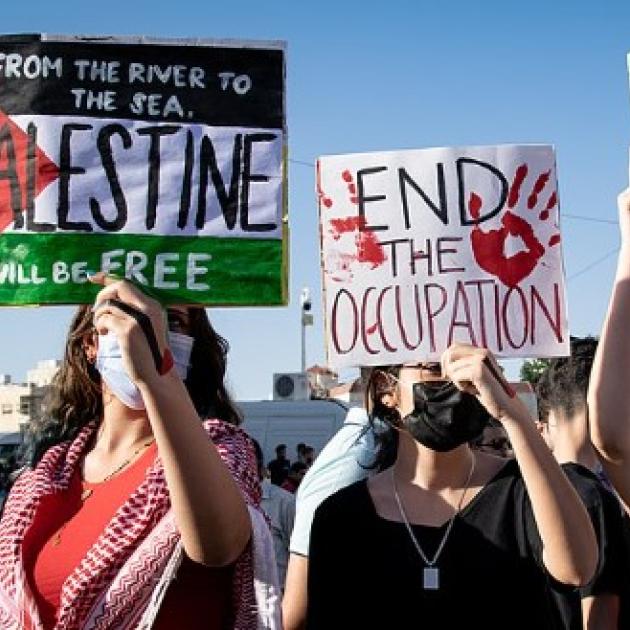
[280, 480]
[286, 474]
[442, 503]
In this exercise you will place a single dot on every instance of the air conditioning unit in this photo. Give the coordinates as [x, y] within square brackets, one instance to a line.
[291, 386]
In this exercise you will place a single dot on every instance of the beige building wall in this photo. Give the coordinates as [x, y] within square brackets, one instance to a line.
[14, 410]
[43, 373]
[21, 402]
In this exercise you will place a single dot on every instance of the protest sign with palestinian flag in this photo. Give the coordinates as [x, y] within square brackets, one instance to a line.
[159, 161]
[424, 248]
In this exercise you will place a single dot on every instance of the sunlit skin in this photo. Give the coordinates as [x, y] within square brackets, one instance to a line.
[608, 399]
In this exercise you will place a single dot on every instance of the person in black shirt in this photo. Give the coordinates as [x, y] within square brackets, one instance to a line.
[443, 532]
[300, 450]
[562, 390]
[279, 467]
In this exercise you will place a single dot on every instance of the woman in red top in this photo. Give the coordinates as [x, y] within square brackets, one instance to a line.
[125, 490]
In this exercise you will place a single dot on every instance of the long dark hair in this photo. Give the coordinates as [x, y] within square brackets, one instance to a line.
[208, 363]
[383, 419]
[75, 396]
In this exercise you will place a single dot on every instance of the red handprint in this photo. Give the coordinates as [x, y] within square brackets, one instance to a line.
[489, 247]
[321, 196]
[347, 177]
[363, 248]
[352, 189]
[358, 244]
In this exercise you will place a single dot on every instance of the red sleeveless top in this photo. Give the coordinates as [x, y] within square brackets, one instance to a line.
[66, 526]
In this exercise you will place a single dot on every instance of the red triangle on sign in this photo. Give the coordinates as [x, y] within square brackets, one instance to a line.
[14, 155]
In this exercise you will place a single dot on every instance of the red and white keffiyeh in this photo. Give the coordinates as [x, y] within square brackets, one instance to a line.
[113, 584]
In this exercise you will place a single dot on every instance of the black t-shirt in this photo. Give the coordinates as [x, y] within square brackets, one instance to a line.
[613, 572]
[364, 571]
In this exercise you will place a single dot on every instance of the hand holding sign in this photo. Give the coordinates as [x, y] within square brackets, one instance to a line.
[139, 323]
[474, 370]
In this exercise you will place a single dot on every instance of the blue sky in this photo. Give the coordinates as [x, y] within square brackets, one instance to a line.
[370, 77]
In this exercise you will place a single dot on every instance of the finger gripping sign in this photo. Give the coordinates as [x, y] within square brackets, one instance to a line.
[161, 161]
[428, 247]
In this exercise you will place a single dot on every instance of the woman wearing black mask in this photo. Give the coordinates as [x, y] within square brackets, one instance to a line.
[442, 530]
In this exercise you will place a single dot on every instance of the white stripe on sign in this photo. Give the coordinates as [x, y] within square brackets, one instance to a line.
[137, 177]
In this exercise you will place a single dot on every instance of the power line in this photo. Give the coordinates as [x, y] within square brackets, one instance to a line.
[301, 163]
[581, 217]
[590, 266]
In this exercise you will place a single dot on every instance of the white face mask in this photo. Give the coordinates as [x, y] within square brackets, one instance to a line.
[181, 348]
[109, 363]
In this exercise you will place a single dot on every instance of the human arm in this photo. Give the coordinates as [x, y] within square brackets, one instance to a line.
[208, 506]
[569, 544]
[295, 597]
[608, 399]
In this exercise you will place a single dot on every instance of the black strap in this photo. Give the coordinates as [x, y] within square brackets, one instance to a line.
[144, 321]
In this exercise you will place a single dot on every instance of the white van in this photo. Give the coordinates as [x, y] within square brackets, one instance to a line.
[273, 422]
[314, 422]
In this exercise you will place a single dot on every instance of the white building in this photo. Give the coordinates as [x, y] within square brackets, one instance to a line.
[43, 373]
[21, 402]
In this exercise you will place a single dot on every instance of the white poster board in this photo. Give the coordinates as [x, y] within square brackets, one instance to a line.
[423, 248]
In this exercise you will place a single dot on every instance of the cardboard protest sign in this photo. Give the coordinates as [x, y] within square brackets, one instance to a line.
[424, 248]
[160, 161]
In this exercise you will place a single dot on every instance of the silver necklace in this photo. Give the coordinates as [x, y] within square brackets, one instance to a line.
[431, 573]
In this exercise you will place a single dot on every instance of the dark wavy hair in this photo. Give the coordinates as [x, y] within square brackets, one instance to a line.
[383, 419]
[564, 383]
[75, 397]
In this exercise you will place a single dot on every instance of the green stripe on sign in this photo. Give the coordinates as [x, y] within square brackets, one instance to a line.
[50, 268]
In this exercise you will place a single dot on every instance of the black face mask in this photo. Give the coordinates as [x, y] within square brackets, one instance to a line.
[444, 417]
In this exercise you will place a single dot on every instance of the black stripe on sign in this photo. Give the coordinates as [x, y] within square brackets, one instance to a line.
[29, 82]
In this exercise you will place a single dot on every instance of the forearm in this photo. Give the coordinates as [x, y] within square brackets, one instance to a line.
[294, 602]
[609, 400]
[209, 508]
[569, 544]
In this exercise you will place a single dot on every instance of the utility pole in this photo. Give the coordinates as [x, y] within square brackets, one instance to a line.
[306, 320]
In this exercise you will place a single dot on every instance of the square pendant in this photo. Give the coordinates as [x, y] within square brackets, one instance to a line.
[431, 578]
